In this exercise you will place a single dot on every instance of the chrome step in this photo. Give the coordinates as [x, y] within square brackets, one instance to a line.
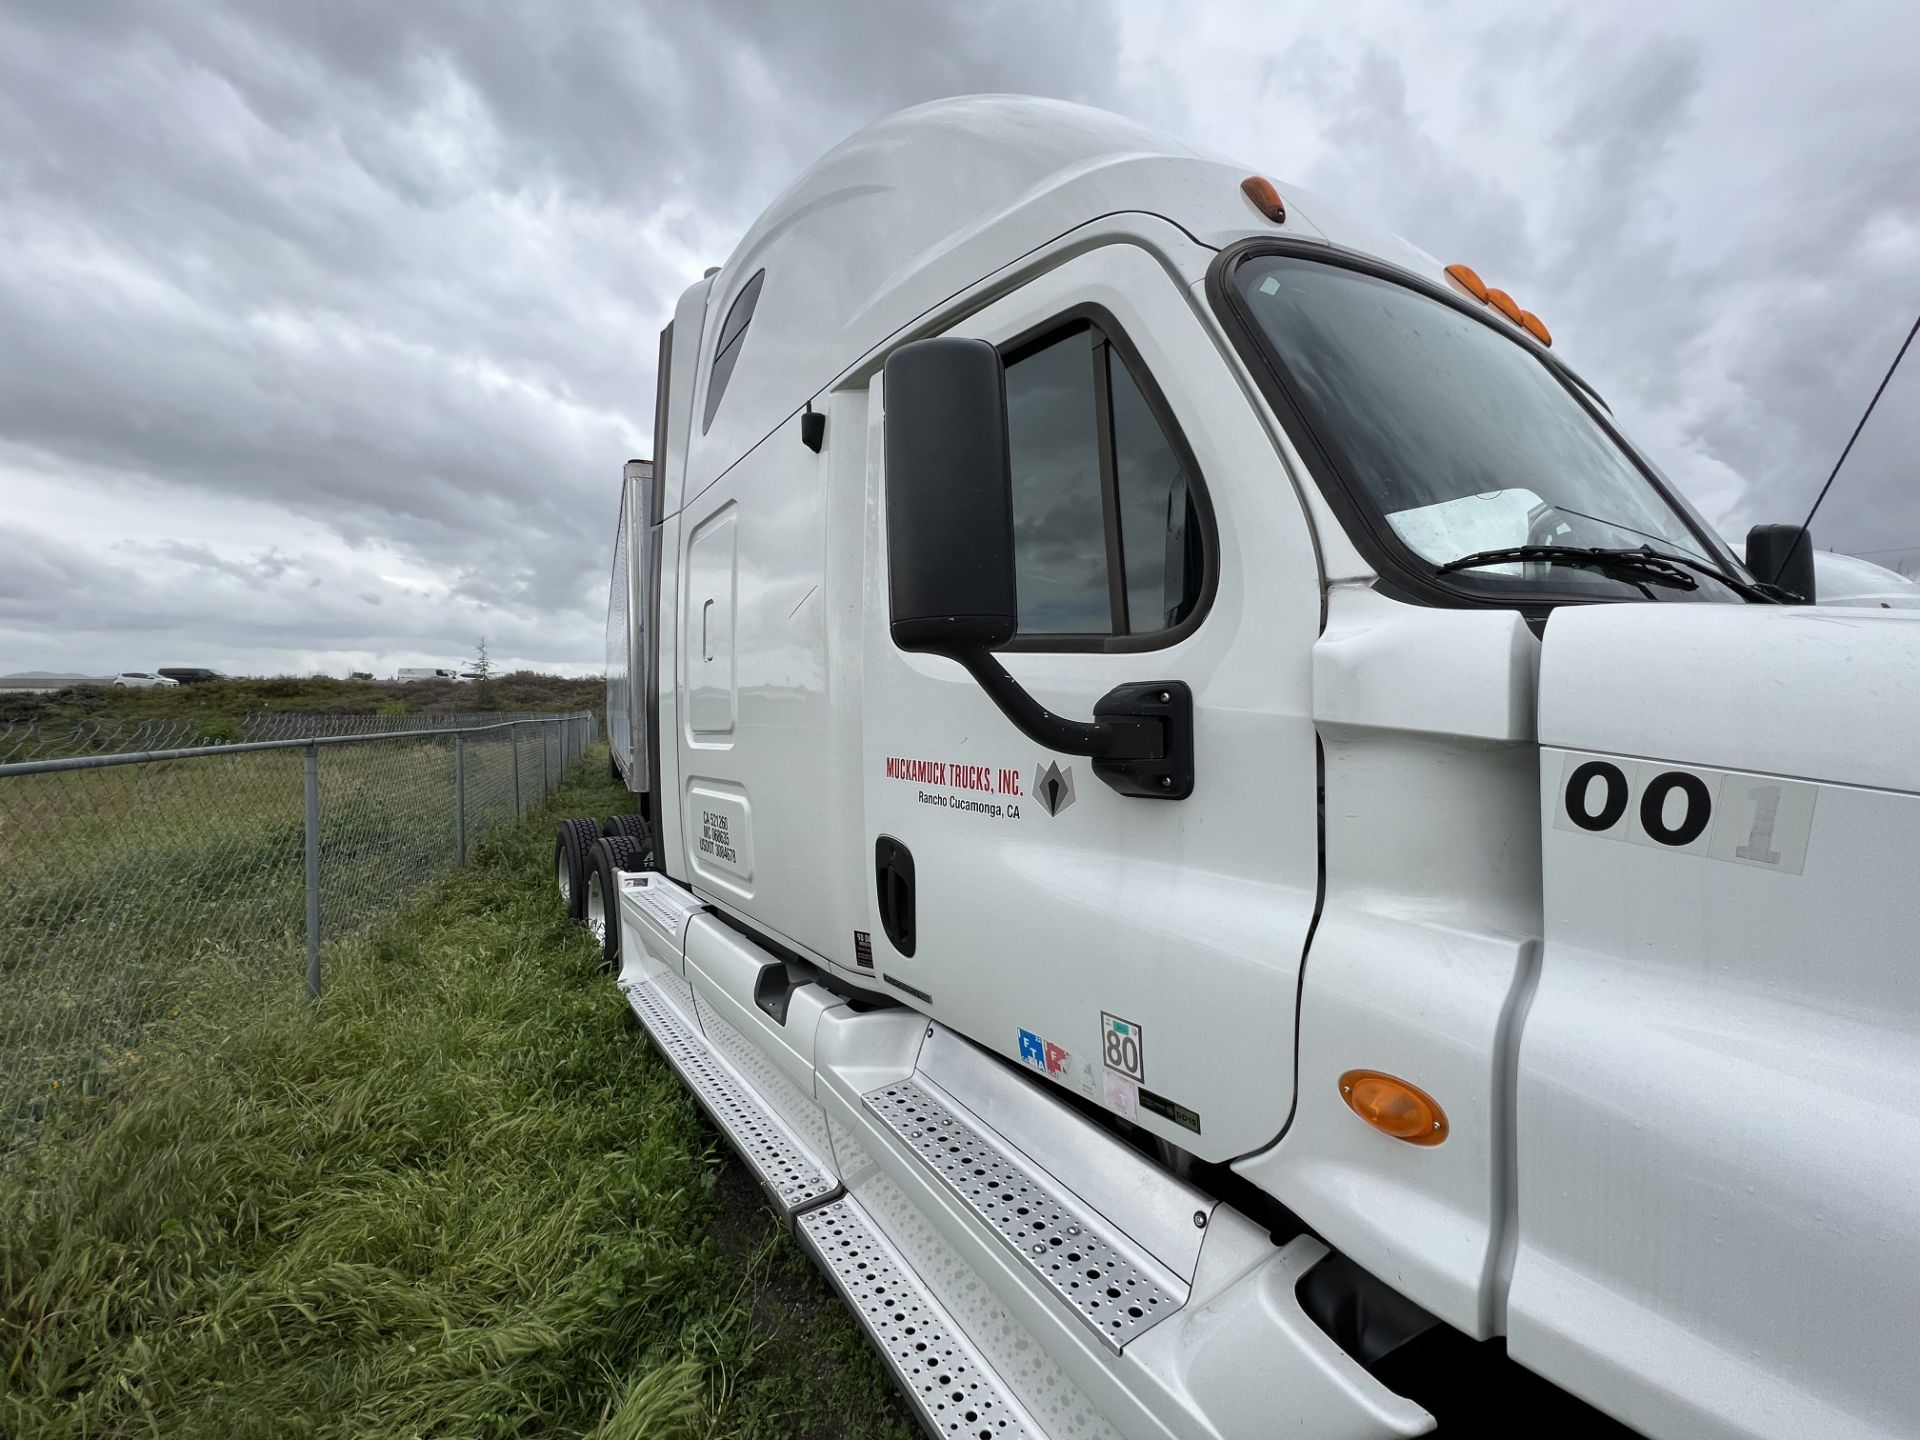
[956, 1392]
[790, 1172]
[1118, 1290]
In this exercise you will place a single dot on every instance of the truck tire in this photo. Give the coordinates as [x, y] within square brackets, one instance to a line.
[570, 844]
[634, 825]
[609, 855]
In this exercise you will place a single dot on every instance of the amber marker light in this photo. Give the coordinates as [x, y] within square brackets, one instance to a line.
[1505, 304]
[1536, 327]
[1393, 1107]
[1468, 279]
[1265, 198]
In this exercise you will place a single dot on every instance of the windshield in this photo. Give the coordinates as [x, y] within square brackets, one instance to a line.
[1456, 435]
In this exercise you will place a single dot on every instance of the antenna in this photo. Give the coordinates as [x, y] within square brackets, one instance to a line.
[1794, 548]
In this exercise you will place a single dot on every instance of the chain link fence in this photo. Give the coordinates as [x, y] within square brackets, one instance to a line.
[135, 884]
[34, 740]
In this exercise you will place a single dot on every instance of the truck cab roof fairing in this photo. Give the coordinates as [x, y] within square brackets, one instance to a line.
[920, 207]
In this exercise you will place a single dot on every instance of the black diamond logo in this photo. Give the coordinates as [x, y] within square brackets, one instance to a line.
[1053, 786]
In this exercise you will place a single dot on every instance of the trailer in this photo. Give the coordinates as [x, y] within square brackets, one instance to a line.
[1234, 858]
[626, 629]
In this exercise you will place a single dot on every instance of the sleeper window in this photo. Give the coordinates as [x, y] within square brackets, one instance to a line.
[1106, 541]
[726, 348]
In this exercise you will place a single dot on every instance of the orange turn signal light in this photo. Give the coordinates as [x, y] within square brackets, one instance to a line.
[1469, 280]
[1265, 198]
[1393, 1107]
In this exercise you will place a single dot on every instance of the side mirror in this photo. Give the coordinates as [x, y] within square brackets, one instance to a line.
[949, 497]
[951, 588]
[1782, 555]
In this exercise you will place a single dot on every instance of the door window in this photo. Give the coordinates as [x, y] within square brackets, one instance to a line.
[1106, 535]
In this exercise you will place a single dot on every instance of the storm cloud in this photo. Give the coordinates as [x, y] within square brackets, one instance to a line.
[324, 330]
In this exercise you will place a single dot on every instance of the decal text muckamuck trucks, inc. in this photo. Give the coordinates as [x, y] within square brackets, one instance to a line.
[1234, 858]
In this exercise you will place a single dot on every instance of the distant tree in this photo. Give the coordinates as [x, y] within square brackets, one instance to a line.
[482, 677]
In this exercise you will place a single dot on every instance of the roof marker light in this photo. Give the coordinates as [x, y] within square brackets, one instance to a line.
[1265, 198]
[1468, 280]
[1393, 1107]
[1505, 304]
[1536, 327]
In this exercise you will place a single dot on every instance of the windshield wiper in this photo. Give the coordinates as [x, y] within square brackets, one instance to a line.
[1643, 565]
[1759, 592]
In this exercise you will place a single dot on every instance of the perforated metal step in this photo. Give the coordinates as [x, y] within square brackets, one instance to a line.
[1111, 1285]
[787, 1170]
[955, 1390]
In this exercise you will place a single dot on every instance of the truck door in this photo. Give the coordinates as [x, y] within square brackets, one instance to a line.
[1142, 952]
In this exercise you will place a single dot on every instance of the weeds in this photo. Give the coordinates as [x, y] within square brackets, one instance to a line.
[464, 1198]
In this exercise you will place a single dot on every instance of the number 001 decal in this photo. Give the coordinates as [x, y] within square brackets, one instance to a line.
[1756, 820]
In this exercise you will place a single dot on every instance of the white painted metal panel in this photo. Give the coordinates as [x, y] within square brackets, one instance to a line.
[1186, 918]
[1719, 1177]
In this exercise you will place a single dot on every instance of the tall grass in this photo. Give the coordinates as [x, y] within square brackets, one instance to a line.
[463, 1198]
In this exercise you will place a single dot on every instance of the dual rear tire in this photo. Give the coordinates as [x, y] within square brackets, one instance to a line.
[570, 846]
[586, 866]
[601, 908]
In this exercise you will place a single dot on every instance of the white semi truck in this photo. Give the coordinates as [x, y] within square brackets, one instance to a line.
[1234, 858]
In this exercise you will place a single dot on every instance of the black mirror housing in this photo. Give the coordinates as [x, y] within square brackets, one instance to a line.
[950, 575]
[1782, 555]
[949, 497]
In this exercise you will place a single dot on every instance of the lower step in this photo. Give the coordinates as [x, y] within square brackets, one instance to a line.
[954, 1389]
[788, 1170]
[1115, 1289]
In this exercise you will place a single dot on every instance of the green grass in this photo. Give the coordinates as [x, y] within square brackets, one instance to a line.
[464, 1198]
[126, 892]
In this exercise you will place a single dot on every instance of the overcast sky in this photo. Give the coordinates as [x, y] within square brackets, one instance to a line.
[325, 329]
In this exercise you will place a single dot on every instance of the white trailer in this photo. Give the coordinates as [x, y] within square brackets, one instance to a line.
[1233, 857]
[626, 628]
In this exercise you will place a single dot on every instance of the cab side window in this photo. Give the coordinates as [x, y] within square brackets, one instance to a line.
[1106, 537]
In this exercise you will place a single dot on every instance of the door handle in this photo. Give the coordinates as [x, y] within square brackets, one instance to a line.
[893, 880]
[706, 638]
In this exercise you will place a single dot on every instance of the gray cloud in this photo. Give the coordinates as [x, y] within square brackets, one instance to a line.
[328, 327]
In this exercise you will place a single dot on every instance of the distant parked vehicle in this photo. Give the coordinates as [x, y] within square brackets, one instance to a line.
[359, 675]
[143, 680]
[418, 673]
[188, 674]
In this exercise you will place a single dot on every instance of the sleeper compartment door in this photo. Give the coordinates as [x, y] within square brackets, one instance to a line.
[710, 586]
[718, 817]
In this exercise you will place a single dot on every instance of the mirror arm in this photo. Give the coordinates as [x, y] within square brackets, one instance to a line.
[1140, 738]
[1118, 739]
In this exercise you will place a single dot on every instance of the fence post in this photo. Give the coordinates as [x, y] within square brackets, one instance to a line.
[460, 793]
[513, 739]
[313, 870]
